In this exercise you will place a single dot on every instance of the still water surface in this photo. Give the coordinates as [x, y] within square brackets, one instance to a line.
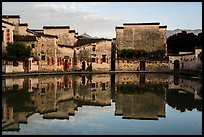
[120, 104]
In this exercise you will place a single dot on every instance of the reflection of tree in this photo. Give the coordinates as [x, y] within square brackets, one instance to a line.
[141, 89]
[183, 101]
[18, 99]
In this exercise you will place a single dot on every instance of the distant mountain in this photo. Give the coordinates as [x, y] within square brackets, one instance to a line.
[86, 36]
[172, 32]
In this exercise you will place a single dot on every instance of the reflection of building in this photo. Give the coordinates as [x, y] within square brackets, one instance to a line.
[183, 101]
[186, 85]
[140, 96]
[53, 96]
[58, 96]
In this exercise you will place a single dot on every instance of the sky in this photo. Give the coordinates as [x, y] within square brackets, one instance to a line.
[99, 19]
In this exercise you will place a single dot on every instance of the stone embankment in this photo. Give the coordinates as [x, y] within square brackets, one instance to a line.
[188, 73]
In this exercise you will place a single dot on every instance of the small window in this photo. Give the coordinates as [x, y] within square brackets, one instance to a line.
[103, 58]
[93, 85]
[93, 59]
[15, 86]
[15, 64]
[94, 48]
[43, 90]
[43, 57]
[33, 46]
[103, 86]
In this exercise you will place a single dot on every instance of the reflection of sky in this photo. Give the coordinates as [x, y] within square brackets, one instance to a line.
[101, 120]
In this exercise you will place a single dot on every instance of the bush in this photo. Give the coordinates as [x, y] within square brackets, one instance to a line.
[89, 67]
[17, 52]
[134, 54]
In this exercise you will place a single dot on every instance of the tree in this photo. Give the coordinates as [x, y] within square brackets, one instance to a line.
[200, 40]
[17, 52]
[182, 42]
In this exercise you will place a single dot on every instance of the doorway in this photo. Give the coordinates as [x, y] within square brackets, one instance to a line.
[176, 65]
[83, 66]
[142, 65]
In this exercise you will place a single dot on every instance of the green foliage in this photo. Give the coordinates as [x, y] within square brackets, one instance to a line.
[17, 98]
[134, 54]
[17, 52]
[183, 42]
[89, 67]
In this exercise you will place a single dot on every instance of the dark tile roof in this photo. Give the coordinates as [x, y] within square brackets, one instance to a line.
[56, 27]
[119, 27]
[7, 22]
[24, 38]
[71, 31]
[152, 23]
[23, 24]
[10, 16]
[162, 26]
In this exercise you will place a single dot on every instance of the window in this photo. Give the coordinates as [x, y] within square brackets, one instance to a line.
[103, 86]
[43, 57]
[94, 48]
[15, 86]
[15, 64]
[103, 58]
[33, 46]
[93, 59]
[43, 90]
[93, 85]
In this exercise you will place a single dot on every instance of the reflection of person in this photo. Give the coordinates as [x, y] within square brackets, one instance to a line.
[137, 68]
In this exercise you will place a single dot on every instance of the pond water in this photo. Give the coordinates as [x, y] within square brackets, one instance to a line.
[102, 104]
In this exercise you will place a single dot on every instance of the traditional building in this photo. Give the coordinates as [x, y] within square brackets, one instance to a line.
[186, 60]
[92, 51]
[150, 37]
[141, 36]
[15, 20]
[66, 36]
[7, 34]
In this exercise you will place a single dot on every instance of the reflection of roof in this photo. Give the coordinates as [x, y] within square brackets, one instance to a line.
[24, 38]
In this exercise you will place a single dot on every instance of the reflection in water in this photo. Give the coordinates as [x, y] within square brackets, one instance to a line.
[135, 96]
